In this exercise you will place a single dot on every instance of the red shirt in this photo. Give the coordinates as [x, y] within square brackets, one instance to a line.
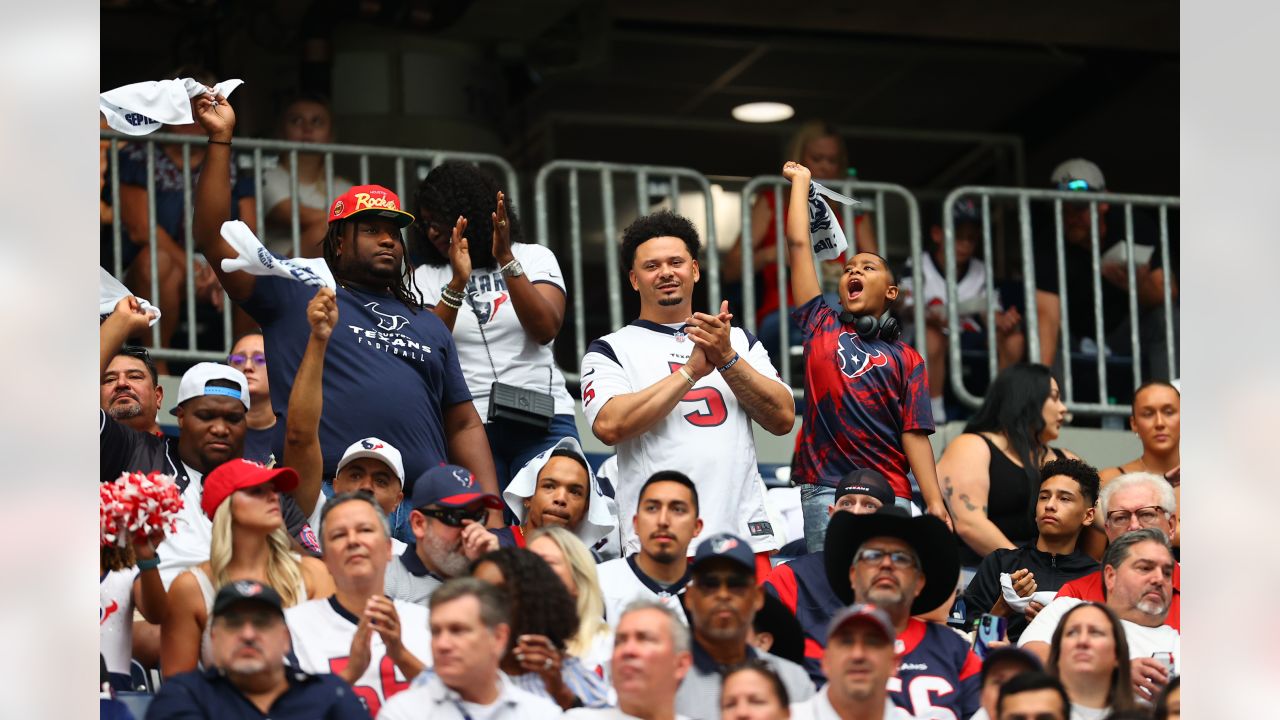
[1089, 588]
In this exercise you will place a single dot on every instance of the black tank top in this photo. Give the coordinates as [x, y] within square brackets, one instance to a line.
[1008, 500]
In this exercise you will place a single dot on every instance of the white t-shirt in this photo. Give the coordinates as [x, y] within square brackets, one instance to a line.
[518, 358]
[115, 619]
[275, 189]
[819, 707]
[622, 583]
[322, 631]
[707, 437]
[1143, 641]
[189, 544]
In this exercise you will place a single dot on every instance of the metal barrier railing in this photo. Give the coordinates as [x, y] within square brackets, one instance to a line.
[608, 173]
[399, 156]
[854, 188]
[1023, 197]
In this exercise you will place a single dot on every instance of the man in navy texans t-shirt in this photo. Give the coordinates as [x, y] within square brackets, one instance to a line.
[391, 369]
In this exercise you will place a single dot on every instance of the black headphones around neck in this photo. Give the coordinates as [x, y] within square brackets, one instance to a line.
[869, 327]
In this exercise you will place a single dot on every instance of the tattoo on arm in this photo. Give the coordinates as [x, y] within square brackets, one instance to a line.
[964, 498]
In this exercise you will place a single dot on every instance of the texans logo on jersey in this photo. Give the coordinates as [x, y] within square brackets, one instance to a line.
[486, 307]
[106, 612]
[854, 358]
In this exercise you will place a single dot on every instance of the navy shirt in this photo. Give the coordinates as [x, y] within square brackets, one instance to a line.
[802, 586]
[209, 694]
[265, 446]
[388, 371]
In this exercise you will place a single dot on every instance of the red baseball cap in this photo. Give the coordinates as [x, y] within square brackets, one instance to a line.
[239, 474]
[373, 200]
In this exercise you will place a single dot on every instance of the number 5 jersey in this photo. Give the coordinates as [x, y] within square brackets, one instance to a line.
[707, 436]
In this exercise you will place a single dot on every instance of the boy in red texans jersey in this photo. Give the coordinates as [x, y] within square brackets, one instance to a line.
[867, 392]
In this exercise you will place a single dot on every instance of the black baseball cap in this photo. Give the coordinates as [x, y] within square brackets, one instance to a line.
[865, 481]
[247, 591]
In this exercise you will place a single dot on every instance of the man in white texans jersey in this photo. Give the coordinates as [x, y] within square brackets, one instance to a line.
[376, 644]
[678, 390]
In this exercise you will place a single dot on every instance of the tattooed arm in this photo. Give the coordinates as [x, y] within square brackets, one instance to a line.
[965, 484]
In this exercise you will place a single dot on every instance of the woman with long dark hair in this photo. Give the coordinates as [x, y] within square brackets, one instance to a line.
[753, 691]
[504, 300]
[1090, 655]
[990, 475]
[543, 621]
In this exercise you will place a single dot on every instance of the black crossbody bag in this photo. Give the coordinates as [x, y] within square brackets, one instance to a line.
[512, 402]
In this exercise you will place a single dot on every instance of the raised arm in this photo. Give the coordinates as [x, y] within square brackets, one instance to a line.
[540, 309]
[306, 401]
[127, 319]
[804, 275]
[460, 262]
[213, 192]
[965, 487]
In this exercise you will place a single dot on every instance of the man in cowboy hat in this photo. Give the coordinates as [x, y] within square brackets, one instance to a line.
[908, 566]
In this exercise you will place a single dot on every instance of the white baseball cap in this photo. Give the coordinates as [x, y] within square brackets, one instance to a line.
[195, 383]
[372, 447]
[1078, 174]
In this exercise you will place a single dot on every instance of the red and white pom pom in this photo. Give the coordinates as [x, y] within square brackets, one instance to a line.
[136, 505]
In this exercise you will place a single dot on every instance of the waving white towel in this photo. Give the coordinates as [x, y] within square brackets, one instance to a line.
[110, 290]
[256, 260]
[1018, 603]
[824, 232]
[142, 108]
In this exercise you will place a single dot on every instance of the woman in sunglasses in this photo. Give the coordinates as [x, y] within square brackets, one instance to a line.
[264, 440]
[543, 620]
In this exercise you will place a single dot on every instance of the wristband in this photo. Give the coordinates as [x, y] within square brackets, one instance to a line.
[731, 363]
[219, 142]
[687, 376]
[148, 563]
[450, 302]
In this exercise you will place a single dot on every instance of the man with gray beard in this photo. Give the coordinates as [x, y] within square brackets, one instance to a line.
[449, 510]
[249, 679]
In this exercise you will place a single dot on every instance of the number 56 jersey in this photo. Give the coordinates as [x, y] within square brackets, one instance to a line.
[707, 436]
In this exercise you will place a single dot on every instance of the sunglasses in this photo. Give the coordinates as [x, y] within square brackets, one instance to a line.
[737, 583]
[239, 360]
[453, 517]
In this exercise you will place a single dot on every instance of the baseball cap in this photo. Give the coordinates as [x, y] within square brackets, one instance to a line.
[966, 210]
[866, 481]
[1078, 174]
[878, 619]
[369, 200]
[195, 383]
[1009, 654]
[450, 486]
[247, 591]
[239, 474]
[372, 447]
[727, 546]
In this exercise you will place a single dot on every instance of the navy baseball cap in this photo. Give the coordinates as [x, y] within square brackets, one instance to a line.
[247, 591]
[966, 210]
[727, 546]
[866, 481]
[450, 486]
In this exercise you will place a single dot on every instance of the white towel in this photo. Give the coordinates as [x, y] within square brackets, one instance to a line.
[110, 290]
[256, 260]
[142, 108]
[602, 511]
[1016, 602]
[824, 232]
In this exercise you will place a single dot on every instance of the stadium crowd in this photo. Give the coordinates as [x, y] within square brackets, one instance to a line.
[412, 529]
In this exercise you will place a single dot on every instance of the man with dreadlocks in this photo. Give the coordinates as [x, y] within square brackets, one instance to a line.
[391, 369]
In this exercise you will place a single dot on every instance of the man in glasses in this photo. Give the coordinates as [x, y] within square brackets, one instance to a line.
[264, 438]
[448, 515]
[1137, 572]
[249, 679]
[908, 566]
[722, 600]
[1130, 502]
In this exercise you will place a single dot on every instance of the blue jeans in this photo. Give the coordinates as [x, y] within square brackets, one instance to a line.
[814, 501]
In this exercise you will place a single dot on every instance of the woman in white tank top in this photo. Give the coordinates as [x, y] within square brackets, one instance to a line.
[249, 543]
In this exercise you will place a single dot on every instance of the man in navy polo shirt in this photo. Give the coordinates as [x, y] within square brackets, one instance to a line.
[249, 679]
[391, 368]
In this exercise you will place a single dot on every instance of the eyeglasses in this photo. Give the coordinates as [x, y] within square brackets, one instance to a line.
[239, 360]
[1147, 516]
[710, 582]
[453, 517]
[899, 558]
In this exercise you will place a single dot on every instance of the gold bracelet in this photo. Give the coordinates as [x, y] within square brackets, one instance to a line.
[687, 376]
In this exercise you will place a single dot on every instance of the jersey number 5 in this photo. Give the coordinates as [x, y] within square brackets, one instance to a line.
[716, 412]
[369, 696]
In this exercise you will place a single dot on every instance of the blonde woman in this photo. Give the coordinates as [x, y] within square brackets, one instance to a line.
[573, 564]
[249, 543]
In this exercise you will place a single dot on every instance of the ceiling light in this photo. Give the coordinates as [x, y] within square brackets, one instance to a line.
[763, 112]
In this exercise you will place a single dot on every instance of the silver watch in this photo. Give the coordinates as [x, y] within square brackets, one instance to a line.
[512, 269]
